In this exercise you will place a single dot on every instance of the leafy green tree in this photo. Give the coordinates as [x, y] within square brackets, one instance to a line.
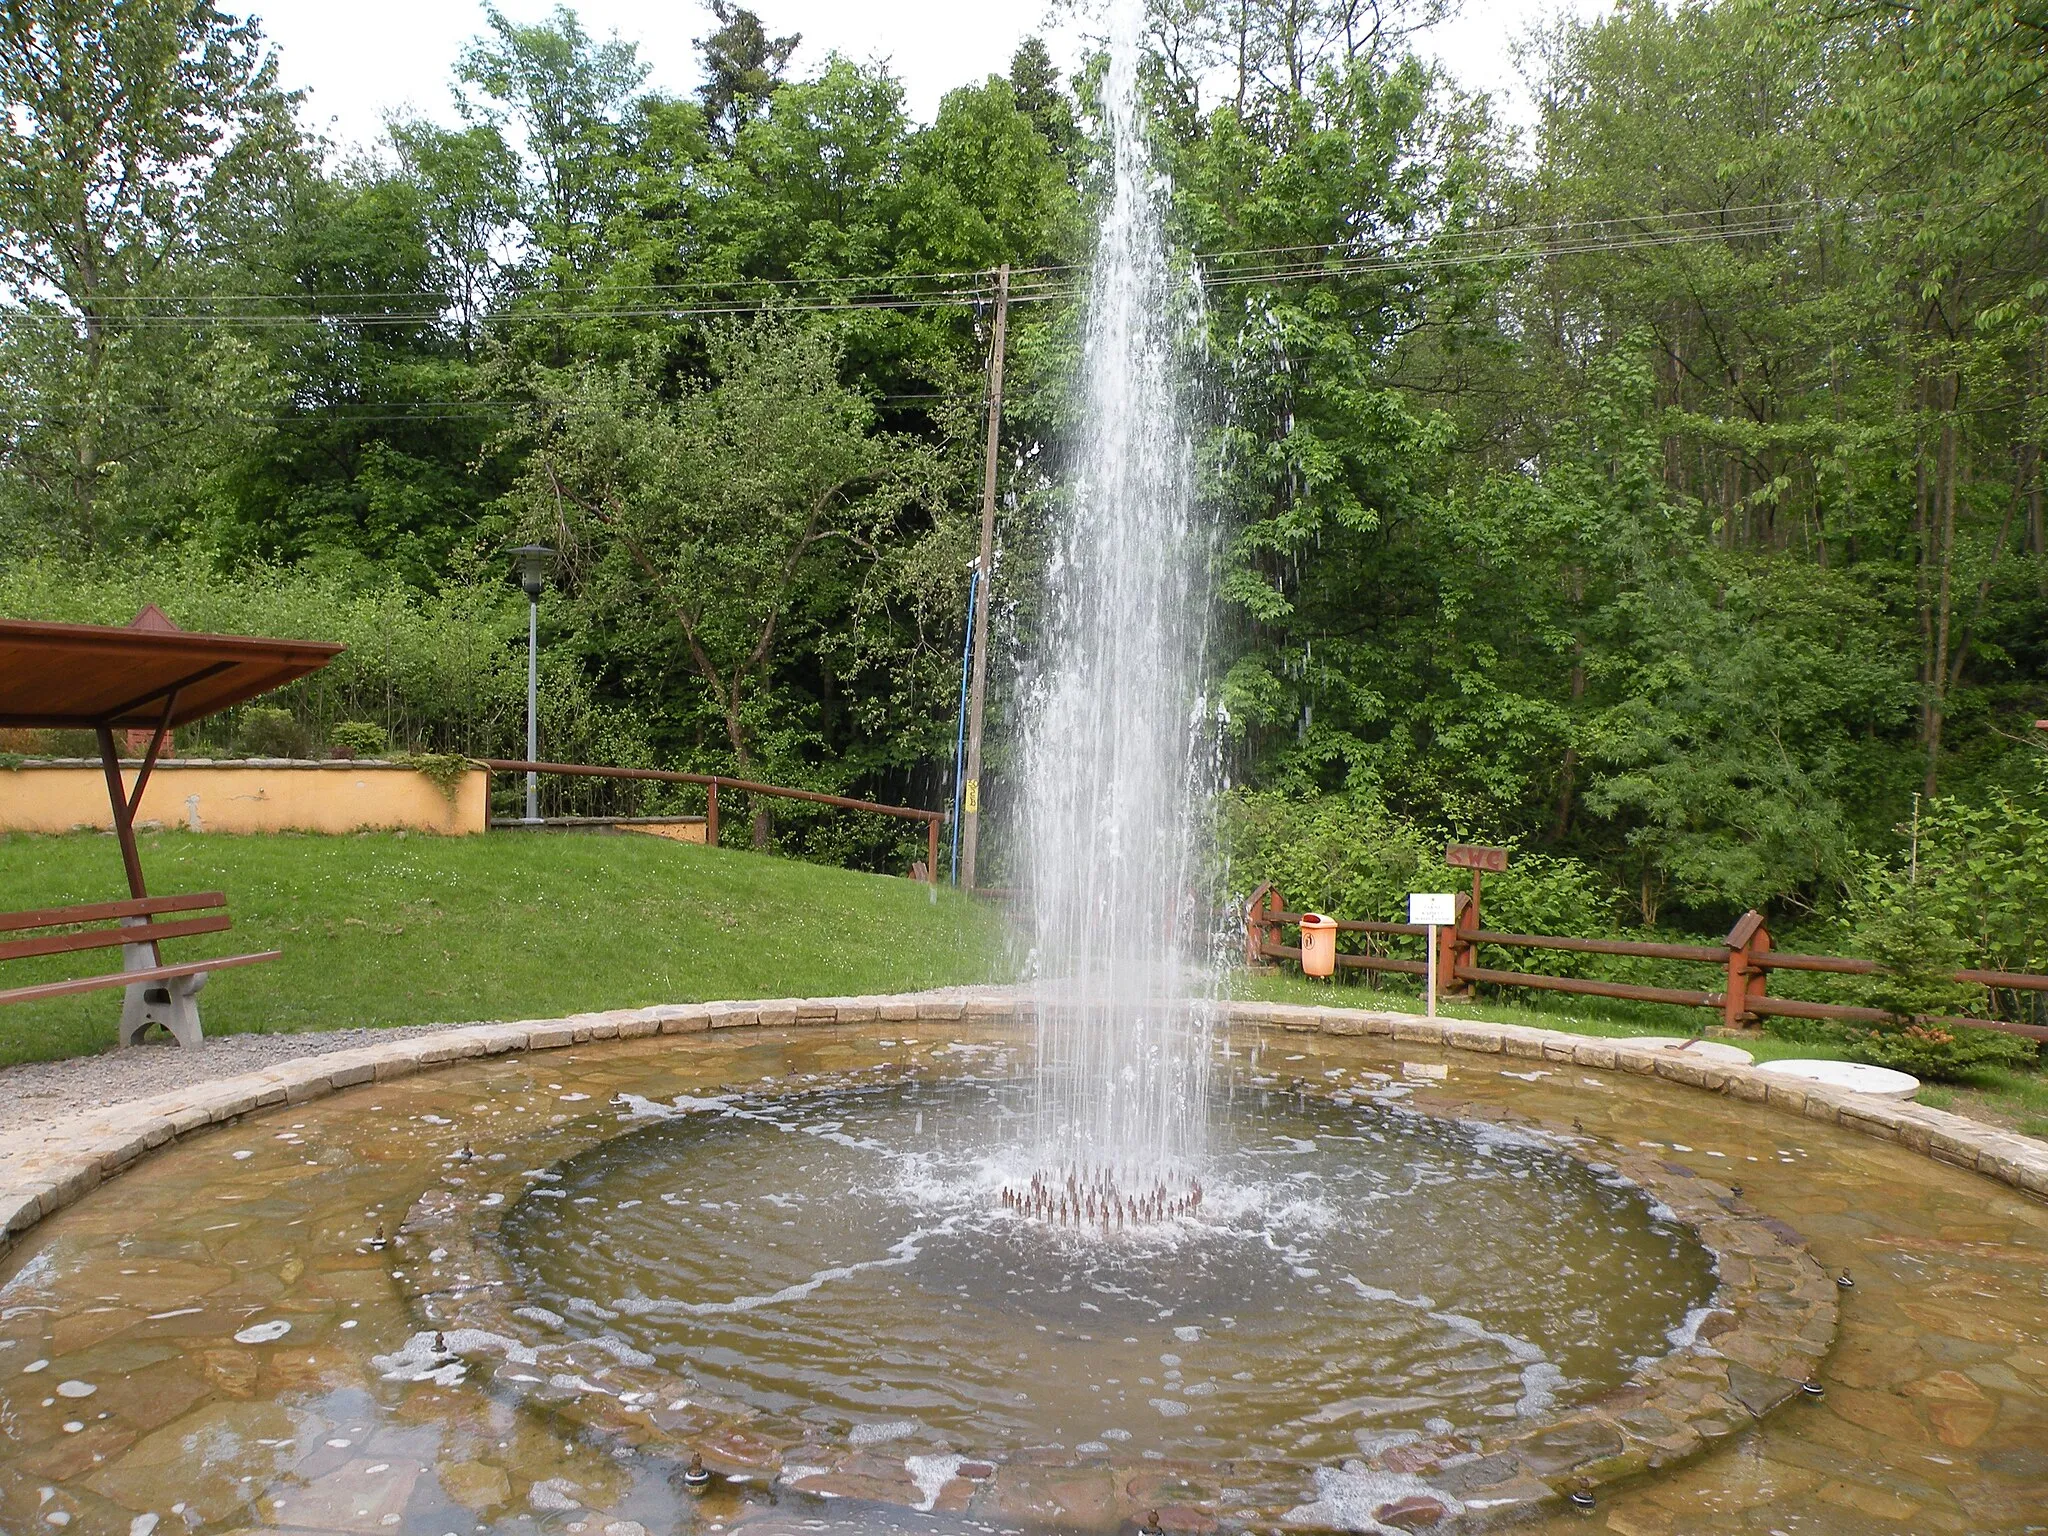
[469, 179]
[745, 511]
[366, 453]
[569, 97]
[128, 124]
[743, 65]
[982, 185]
[806, 190]
[1035, 86]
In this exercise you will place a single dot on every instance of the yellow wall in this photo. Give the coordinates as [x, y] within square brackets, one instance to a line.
[675, 831]
[246, 797]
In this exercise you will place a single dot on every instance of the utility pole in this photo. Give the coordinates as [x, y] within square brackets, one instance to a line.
[970, 790]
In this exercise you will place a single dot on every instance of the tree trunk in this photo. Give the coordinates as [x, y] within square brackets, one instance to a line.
[1962, 648]
[1945, 534]
[85, 460]
[2037, 525]
[736, 737]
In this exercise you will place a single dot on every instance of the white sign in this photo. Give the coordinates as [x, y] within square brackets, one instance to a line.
[1437, 909]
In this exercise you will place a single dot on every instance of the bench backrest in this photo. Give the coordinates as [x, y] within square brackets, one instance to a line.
[151, 928]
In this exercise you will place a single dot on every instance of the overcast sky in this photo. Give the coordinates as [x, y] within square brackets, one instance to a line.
[364, 58]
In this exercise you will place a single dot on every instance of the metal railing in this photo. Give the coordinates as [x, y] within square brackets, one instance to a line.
[1745, 957]
[712, 783]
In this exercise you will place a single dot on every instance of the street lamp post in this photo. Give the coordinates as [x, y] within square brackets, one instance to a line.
[532, 563]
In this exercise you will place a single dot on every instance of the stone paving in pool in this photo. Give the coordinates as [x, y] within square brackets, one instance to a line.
[163, 1295]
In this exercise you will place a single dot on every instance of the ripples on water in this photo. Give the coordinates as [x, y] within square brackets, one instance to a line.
[1359, 1274]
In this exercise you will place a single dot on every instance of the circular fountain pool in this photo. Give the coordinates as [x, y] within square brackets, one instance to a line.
[840, 1262]
[221, 1341]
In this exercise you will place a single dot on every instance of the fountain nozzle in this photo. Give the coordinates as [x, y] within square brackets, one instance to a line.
[1092, 1197]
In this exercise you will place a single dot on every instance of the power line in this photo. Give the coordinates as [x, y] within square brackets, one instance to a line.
[1425, 263]
[1051, 280]
[384, 412]
[1498, 231]
[873, 279]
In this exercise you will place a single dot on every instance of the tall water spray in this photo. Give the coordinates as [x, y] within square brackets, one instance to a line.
[1114, 786]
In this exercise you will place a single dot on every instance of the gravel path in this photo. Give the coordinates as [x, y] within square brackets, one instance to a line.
[36, 1092]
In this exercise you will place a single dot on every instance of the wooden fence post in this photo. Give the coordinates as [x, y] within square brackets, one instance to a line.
[1746, 979]
[1455, 947]
[711, 815]
[1258, 923]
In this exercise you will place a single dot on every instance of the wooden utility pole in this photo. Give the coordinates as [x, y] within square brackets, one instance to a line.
[970, 789]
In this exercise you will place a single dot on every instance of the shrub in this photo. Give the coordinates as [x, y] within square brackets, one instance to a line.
[1969, 892]
[1897, 923]
[1350, 857]
[361, 738]
[268, 732]
[443, 671]
[1941, 1053]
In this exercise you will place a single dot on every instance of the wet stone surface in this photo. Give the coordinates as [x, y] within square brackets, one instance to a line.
[1935, 1365]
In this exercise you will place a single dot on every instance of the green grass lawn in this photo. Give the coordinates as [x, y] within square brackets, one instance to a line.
[383, 929]
[2018, 1100]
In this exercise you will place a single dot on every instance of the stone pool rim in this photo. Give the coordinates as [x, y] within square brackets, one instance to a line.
[44, 1168]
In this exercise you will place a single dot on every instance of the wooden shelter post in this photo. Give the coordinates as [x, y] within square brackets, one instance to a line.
[124, 824]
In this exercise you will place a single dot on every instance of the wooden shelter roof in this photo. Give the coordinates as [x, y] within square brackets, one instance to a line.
[72, 676]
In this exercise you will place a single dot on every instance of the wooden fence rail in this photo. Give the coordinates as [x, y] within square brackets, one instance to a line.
[713, 782]
[1745, 958]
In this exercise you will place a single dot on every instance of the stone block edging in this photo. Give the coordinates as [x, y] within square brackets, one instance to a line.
[42, 1169]
[2019, 1161]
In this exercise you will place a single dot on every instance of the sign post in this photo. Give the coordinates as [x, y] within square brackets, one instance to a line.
[1480, 860]
[1432, 910]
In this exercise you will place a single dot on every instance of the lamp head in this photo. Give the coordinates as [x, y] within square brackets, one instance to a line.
[532, 564]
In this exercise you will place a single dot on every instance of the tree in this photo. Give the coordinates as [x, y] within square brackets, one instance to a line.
[981, 185]
[743, 65]
[469, 178]
[367, 453]
[1035, 86]
[744, 509]
[125, 117]
[568, 95]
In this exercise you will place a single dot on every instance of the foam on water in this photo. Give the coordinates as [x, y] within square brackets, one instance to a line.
[931, 1474]
[1347, 1498]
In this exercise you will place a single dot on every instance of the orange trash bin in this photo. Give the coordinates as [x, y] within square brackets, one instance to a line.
[1318, 945]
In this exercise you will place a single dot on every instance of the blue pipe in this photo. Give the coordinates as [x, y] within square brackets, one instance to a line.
[960, 736]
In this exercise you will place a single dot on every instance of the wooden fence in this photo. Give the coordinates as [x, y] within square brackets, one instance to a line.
[1745, 959]
[712, 783]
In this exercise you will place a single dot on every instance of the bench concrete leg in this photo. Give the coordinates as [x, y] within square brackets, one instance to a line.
[174, 1004]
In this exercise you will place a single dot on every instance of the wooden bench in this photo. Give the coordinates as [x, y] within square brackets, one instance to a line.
[157, 993]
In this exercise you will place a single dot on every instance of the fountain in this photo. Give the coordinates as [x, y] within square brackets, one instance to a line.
[1066, 1259]
[1112, 786]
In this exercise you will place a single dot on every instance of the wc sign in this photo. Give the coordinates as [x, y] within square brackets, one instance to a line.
[1430, 911]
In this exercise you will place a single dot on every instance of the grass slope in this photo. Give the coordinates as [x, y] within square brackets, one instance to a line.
[384, 929]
